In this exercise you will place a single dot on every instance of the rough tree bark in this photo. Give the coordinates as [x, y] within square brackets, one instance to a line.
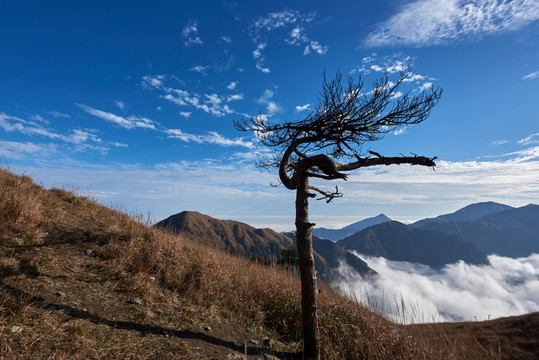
[304, 239]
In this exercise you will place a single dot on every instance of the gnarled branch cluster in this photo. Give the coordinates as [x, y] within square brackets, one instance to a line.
[345, 118]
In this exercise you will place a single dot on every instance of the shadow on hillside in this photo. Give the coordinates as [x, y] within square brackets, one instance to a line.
[143, 328]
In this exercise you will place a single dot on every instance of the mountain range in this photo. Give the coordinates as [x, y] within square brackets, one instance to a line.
[513, 232]
[396, 241]
[468, 234]
[244, 240]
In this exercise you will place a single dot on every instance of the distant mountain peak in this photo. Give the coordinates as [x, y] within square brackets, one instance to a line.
[337, 234]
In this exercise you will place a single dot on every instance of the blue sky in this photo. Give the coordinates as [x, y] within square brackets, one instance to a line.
[133, 102]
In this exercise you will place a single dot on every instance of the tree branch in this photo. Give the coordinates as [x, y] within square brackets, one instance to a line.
[382, 160]
[328, 196]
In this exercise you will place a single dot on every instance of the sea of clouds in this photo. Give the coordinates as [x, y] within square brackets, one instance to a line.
[413, 293]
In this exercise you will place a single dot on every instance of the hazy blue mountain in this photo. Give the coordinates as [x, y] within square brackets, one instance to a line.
[337, 234]
[244, 240]
[467, 213]
[396, 241]
[513, 232]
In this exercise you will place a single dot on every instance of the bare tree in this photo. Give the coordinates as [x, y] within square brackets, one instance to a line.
[328, 143]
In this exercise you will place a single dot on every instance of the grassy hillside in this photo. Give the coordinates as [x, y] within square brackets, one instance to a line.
[79, 280]
[243, 240]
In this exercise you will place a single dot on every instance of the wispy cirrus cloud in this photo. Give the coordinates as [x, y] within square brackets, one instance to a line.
[200, 69]
[257, 54]
[58, 114]
[214, 104]
[533, 75]
[393, 64]
[190, 34]
[267, 99]
[499, 142]
[130, 122]
[292, 24]
[19, 150]
[211, 137]
[120, 104]
[153, 81]
[438, 22]
[15, 124]
[531, 139]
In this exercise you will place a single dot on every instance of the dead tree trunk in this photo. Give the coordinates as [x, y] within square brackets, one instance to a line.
[304, 238]
[343, 121]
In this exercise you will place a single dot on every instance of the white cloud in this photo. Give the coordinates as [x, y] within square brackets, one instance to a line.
[190, 34]
[18, 150]
[39, 118]
[120, 104]
[12, 123]
[211, 137]
[533, 75]
[131, 122]
[303, 107]
[316, 47]
[58, 114]
[414, 77]
[499, 142]
[434, 22]
[267, 99]
[232, 85]
[457, 292]
[294, 23]
[397, 95]
[273, 108]
[226, 39]
[185, 114]
[200, 69]
[235, 97]
[261, 67]
[399, 131]
[297, 36]
[266, 96]
[426, 86]
[209, 103]
[281, 19]
[398, 66]
[257, 53]
[153, 81]
[531, 139]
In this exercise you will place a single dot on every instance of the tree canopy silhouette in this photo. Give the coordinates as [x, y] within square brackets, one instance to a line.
[327, 144]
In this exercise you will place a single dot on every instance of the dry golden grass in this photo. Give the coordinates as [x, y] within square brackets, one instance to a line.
[146, 260]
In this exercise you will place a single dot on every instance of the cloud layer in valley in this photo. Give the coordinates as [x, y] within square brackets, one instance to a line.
[412, 293]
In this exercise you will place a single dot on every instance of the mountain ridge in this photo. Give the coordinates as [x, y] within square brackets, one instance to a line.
[400, 242]
[512, 232]
[470, 212]
[245, 240]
